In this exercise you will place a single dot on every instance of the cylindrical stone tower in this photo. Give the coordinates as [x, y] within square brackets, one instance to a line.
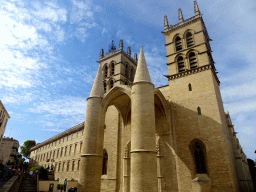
[92, 151]
[143, 140]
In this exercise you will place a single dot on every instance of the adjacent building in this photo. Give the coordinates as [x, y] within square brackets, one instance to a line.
[8, 150]
[4, 116]
[140, 138]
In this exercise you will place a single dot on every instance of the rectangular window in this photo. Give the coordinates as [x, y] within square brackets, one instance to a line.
[63, 166]
[73, 165]
[59, 167]
[75, 149]
[70, 149]
[65, 151]
[81, 147]
[78, 164]
[68, 166]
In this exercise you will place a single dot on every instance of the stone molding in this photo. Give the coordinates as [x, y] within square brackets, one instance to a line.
[192, 71]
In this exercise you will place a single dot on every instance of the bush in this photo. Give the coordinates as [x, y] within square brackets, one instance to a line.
[60, 186]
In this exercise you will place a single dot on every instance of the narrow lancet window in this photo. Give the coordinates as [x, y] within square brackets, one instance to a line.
[126, 71]
[105, 162]
[189, 39]
[105, 87]
[181, 65]
[192, 60]
[112, 68]
[199, 158]
[199, 110]
[111, 84]
[189, 87]
[106, 71]
[131, 74]
[178, 44]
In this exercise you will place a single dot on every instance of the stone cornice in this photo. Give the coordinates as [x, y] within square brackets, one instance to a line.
[74, 129]
[193, 71]
[184, 23]
[112, 54]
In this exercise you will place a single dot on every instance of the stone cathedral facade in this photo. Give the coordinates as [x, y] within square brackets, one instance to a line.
[137, 137]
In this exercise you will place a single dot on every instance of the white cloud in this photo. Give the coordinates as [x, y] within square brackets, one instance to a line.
[54, 130]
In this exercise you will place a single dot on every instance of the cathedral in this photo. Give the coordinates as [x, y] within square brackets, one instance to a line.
[138, 137]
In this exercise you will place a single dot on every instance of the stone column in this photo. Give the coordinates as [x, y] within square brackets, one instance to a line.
[143, 141]
[92, 150]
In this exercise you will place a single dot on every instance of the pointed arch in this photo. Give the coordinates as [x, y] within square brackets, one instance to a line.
[111, 83]
[189, 34]
[105, 70]
[126, 70]
[192, 60]
[105, 86]
[181, 64]
[198, 152]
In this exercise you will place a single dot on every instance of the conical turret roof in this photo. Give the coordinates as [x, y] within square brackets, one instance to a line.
[97, 88]
[142, 74]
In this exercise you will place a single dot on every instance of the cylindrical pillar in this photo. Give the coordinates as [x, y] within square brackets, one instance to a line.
[92, 150]
[143, 139]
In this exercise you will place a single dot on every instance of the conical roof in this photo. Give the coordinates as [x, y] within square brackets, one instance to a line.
[142, 74]
[97, 88]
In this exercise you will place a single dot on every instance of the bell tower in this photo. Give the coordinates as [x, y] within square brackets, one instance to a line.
[118, 67]
[197, 106]
[187, 45]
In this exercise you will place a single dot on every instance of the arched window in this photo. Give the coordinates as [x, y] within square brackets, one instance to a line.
[111, 84]
[189, 39]
[199, 158]
[126, 83]
[106, 71]
[68, 166]
[192, 60]
[199, 110]
[53, 155]
[112, 68]
[178, 44]
[181, 66]
[126, 71]
[105, 162]
[131, 74]
[105, 87]
[189, 87]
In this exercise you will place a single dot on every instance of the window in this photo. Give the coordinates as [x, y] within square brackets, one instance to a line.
[178, 44]
[81, 144]
[53, 155]
[106, 71]
[59, 167]
[105, 162]
[70, 149]
[199, 158]
[112, 68]
[181, 65]
[111, 84]
[199, 110]
[189, 39]
[68, 166]
[126, 83]
[75, 149]
[189, 87]
[61, 152]
[78, 165]
[131, 74]
[63, 166]
[126, 71]
[192, 60]
[58, 153]
[65, 151]
[73, 165]
[105, 87]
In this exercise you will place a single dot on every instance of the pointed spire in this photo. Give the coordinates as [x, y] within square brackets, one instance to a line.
[97, 88]
[129, 51]
[180, 16]
[166, 25]
[121, 45]
[142, 74]
[101, 53]
[196, 9]
[135, 57]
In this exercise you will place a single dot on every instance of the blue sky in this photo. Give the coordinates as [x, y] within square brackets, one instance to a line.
[49, 49]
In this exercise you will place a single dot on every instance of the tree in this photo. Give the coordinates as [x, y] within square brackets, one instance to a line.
[25, 149]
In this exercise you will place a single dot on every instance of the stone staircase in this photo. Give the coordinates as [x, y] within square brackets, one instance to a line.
[27, 186]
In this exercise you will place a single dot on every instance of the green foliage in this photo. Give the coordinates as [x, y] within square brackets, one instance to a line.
[41, 171]
[72, 179]
[25, 149]
[60, 186]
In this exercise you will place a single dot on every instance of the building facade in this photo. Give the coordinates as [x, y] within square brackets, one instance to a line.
[4, 116]
[9, 149]
[140, 138]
